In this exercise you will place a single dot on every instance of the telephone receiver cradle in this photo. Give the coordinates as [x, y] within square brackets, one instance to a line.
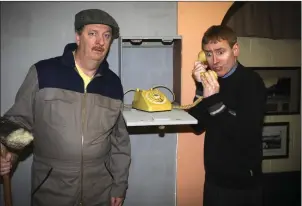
[153, 100]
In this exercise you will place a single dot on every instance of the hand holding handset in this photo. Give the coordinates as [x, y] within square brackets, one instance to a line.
[203, 59]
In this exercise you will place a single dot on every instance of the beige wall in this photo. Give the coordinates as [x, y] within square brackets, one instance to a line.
[194, 18]
[268, 52]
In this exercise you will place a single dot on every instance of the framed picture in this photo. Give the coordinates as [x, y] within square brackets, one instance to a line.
[283, 86]
[275, 138]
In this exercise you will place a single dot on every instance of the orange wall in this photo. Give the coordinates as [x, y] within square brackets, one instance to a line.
[193, 20]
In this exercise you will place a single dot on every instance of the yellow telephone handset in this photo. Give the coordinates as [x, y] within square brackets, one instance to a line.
[202, 57]
[153, 100]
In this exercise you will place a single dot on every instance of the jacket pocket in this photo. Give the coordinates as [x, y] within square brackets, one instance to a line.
[58, 111]
[104, 113]
[54, 186]
[41, 173]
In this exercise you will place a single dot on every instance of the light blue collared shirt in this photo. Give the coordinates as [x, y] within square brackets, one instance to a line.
[231, 71]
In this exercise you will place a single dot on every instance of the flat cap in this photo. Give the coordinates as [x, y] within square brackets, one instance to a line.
[96, 16]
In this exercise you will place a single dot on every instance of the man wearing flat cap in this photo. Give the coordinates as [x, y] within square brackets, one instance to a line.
[72, 107]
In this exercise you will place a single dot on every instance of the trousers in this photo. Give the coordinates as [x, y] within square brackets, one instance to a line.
[215, 195]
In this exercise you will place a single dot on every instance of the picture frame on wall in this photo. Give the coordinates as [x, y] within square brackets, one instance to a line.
[275, 140]
[283, 86]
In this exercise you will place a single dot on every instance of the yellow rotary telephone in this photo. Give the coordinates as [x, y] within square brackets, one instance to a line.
[153, 100]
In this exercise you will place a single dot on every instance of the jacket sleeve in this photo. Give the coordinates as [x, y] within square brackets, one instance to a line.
[120, 158]
[247, 121]
[22, 111]
[199, 112]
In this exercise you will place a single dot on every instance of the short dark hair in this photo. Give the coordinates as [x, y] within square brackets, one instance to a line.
[79, 30]
[218, 33]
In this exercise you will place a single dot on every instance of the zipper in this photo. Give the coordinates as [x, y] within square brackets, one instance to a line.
[83, 112]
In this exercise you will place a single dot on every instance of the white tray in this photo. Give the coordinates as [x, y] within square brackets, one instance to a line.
[135, 117]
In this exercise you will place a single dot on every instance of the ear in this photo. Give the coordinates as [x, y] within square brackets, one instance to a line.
[77, 38]
[236, 49]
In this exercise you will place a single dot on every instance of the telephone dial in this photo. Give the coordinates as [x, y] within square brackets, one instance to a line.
[153, 100]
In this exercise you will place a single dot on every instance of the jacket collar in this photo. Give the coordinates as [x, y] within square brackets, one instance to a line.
[68, 59]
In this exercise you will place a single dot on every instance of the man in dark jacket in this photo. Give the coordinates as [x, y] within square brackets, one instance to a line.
[232, 114]
[72, 105]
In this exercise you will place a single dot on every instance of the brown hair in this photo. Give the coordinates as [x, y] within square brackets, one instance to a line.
[79, 30]
[218, 33]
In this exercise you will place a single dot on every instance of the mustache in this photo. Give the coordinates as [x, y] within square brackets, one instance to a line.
[98, 48]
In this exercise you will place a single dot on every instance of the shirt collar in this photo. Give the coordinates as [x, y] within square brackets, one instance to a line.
[231, 71]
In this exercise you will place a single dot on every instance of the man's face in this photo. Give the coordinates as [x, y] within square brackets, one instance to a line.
[220, 56]
[94, 41]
